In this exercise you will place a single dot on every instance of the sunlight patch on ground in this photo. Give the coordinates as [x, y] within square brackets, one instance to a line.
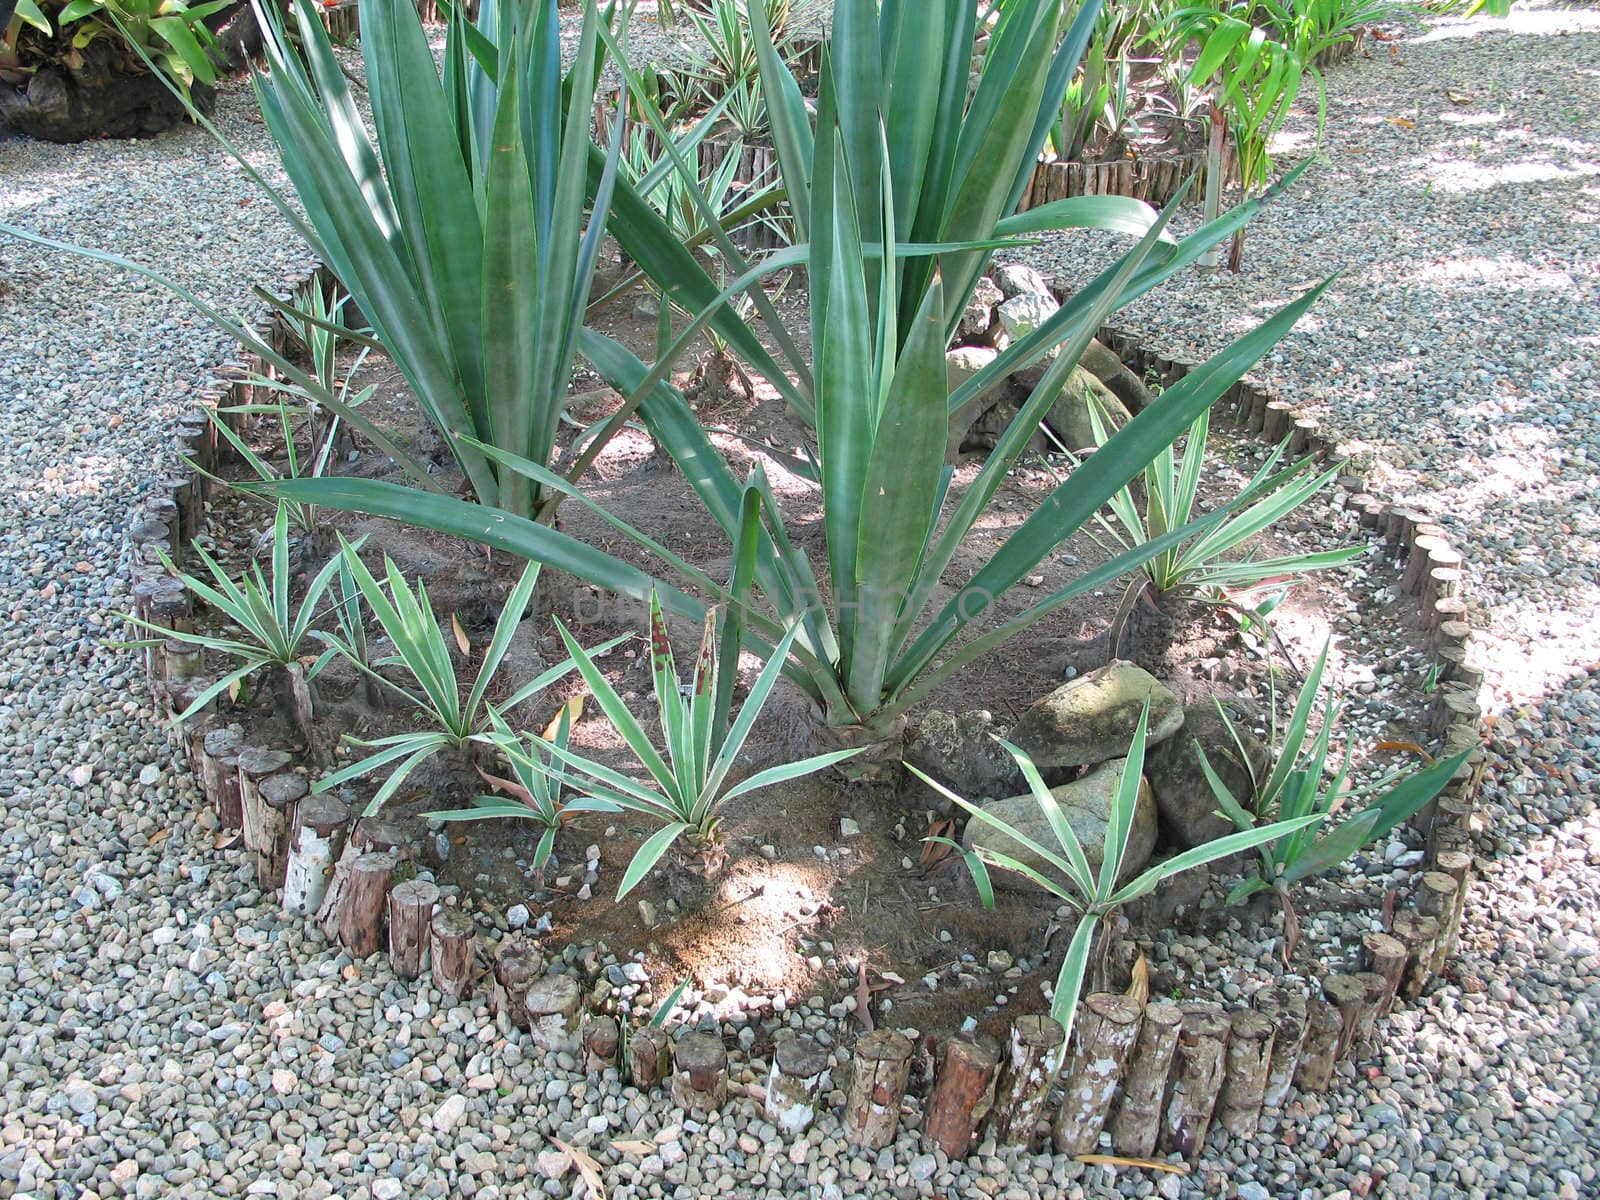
[1502, 272]
[1456, 177]
[1521, 22]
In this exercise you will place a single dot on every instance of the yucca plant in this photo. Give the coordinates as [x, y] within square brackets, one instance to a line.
[1200, 566]
[686, 787]
[1304, 783]
[271, 633]
[885, 633]
[537, 789]
[449, 721]
[464, 232]
[1094, 894]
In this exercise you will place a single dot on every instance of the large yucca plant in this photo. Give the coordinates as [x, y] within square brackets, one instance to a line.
[883, 634]
[463, 230]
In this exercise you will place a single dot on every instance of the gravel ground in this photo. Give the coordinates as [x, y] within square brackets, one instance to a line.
[166, 1033]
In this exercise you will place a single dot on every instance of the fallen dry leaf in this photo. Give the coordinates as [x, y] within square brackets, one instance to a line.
[1405, 748]
[934, 853]
[158, 837]
[1144, 1164]
[462, 640]
[1403, 122]
[1139, 985]
[587, 1167]
[634, 1147]
[225, 839]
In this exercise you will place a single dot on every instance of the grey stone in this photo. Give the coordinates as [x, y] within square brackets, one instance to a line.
[1019, 279]
[1086, 804]
[1070, 417]
[1092, 718]
[960, 751]
[1184, 797]
[1025, 312]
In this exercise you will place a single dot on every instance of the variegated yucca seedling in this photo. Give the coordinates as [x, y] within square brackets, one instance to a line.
[1303, 784]
[1094, 894]
[449, 720]
[686, 785]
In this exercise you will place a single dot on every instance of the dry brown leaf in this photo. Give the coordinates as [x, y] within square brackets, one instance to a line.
[158, 837]
[587, 1167]
[226, 839]
[1139, 985]
[509, 786]
[634, 1147]
[1144, 1164]
[1457, 97]
[462, 641]
[864, 998]
[573, 709]
[233, 690]
[934, 853]
[1403, 122]
[1405, 748]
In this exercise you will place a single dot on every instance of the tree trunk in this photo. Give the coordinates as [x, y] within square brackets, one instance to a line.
[1286, 1009]
[411, 907]
[700, 1075]
[451, 946]
[798, 1065]
[1197, 1073]
[1319, 1053]
[1244, 1079]
[361, 907]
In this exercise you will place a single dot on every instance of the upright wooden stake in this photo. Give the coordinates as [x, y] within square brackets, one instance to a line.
[793, 1083]
[1244, 1079]
[1196, 1079]
[1319, 1051]
[316, 841]
[1348, 994]
[602, 1038]
[648, 1052]
[1377, 991]
[280, 796]
[1420, 934]
[1385, 956]
[451, 948]
[515, 969]
[882, 1066]
[1035, 1049]
[410, 923]
[1106, 1029]
[1458, 865]
[700, 1074]
[963, 1093]
[1285, 1007]
[255, 764]
[1436, 898]
[1137, 1123]
[362, 904]
[555, 1009]
[219, 774]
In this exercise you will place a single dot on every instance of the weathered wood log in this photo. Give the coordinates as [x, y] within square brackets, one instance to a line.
[1107, 1028]
[411, 907]
[255, 764]
[1445, 608]
[515, 968]
[362, 904]
[280, 796]
[602, 1040]
[1137, 1124]
[1451, 827]
[1422, 550]
[1377, 989]
[1457, 864]
[219, 774]
[316, 841]
[1277, 421]
[881, 1067]
[451, 947]
[1385, 956]
[1197, 1071]
[555, 1010]
[1244, 1078]
[1285, 1007]
[181, 663]
[1420, 933]
[1436, 898]
[963, 1093]
[649, 1052]
[1319, 1053]
[700, 1073]
[1035, 1050]
[793, 1084]
[1348, 994]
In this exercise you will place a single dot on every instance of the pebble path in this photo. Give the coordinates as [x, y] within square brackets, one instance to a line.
[166, 1033]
